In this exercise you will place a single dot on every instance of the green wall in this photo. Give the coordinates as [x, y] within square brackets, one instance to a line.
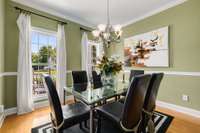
[2, 44]
[73, 39]
[184, 44]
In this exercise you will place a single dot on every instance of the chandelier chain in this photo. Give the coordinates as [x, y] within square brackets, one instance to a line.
[108, 11]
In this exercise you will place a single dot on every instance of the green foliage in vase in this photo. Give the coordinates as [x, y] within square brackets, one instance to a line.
[109, 66]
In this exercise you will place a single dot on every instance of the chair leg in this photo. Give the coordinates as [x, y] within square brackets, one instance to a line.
[99, 125]
[148, 121]
[85, 124]
[116, 97]
[119, 97]
[56, 131]
[151, 127]
[75, 100]
[141, 128]
[80, 126]
[104, 101]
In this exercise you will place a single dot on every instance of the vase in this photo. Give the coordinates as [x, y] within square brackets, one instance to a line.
[108, 80]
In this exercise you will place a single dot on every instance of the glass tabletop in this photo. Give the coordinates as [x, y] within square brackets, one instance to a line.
[91, 96]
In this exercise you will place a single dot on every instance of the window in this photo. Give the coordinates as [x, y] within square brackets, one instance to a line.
[96, 52]
[43, 44]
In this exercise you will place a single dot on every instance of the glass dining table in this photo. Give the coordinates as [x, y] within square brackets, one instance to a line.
[91, 97]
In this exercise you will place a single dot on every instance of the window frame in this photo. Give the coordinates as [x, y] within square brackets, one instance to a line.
[96, 44]
[43, 31]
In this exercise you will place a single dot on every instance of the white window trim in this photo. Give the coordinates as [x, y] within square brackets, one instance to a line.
[40, 97]
[44, 31]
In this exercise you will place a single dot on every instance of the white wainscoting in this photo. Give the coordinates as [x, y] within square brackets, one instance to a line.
[175, 73]
[8, 74]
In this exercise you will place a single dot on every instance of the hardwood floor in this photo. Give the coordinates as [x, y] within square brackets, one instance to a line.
[22, 124]
[182, 123]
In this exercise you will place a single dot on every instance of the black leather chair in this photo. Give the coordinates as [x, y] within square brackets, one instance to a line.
[80, 80]
[135, 73]
[150, 103]
[63, 117]
[96, 80]
[127, 116]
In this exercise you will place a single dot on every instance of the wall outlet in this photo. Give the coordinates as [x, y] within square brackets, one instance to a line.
[1, 108]
[185, 98]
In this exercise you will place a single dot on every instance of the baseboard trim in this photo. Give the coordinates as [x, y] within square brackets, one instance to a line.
[178, 108]
[2, 118]
[13, 110]
[10, 111]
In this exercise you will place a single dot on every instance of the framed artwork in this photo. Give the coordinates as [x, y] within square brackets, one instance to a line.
[149, 49]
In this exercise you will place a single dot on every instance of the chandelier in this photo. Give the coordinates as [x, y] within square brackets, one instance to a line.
[108, 33]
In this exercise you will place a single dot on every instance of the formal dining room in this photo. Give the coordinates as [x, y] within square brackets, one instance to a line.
[99, 66]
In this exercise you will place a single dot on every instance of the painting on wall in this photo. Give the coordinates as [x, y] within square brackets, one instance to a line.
[147, 50]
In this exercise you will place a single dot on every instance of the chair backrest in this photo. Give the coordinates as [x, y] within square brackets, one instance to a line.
[134, 101]
[55, 105]
[150, 99]
[96, 80]
[79, 77]
[80, 80]
[135, 73]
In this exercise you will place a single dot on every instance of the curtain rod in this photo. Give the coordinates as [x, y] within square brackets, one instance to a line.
[20, 9]
[81, 28]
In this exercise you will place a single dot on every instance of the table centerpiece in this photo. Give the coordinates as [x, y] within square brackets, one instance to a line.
[109, 68]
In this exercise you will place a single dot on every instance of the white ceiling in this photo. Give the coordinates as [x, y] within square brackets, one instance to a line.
[93, 12]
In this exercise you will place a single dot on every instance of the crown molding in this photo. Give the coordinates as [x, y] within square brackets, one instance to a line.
[156, 11]
[54, 13]
[87, 24]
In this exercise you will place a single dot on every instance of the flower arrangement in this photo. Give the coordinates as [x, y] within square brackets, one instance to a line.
[109, 66]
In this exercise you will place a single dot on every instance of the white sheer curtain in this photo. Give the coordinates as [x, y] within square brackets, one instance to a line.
[61, 62]
[24, 78]
[86, 55]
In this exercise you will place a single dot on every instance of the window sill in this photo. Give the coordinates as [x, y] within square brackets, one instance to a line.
[40, 98]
